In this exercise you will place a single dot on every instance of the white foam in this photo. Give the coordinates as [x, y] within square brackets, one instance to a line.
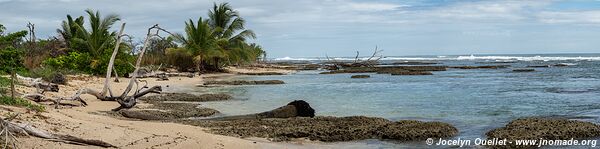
[470, 57]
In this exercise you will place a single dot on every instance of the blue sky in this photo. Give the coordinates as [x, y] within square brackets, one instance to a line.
[339, 27]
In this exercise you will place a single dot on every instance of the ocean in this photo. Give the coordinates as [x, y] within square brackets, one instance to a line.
[473, 100]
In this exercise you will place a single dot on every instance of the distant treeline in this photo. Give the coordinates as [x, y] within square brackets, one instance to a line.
[85, 44]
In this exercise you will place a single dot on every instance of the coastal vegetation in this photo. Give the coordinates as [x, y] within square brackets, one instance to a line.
[84, 44]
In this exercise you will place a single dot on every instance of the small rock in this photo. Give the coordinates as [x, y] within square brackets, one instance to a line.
[523, 70]
[360, 76]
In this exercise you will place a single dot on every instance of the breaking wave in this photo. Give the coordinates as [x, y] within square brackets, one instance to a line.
[471, 57]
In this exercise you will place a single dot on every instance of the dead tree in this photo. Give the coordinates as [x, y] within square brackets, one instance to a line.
[126, 100]
[371, 61]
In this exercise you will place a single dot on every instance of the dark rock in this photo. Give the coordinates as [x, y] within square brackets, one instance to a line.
[560, 65]
[523, 70]
[296, 108]
[187, 97]
[244, 82]
[303, 109]
[360, 76]
[544, 128]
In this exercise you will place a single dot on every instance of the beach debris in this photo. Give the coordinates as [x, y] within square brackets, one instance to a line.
[38, 83]
[243, 82]
[523, 70]
[360, 76]
[296, 108]
[10, 129]
[544, 128]
[358, 62]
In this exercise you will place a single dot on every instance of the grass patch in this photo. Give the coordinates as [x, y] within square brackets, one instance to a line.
[19, 102]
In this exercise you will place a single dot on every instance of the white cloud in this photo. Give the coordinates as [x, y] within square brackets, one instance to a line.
[369, 7]
[572, 17]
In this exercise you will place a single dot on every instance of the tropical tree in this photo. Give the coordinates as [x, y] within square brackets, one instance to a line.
[200, 41]
[70, 28]
[229, 29]
[219, 40]
[90, 47]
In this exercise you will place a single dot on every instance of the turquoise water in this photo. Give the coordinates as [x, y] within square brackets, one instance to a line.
[474, 101]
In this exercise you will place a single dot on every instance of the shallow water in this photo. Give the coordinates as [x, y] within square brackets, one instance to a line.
[474, 100]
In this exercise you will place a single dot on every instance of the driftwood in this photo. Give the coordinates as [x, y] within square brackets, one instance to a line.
[11, 128]
[38, 83]
[296, 108]
[125, 100]
[371, 61]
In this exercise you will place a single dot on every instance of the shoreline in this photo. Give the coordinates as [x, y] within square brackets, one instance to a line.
[96, 121]
[92, 122]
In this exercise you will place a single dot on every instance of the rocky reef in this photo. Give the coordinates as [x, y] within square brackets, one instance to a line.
[480, 67]
[261, 73]
[297, 120]
[244, 82]
[187, 97]
[329, 129]
[161, 110]
[545, 128]
[397, 70]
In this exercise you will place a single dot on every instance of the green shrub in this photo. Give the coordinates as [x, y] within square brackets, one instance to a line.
[11, 59]
[19, 102]
[83, 62]
[72, 61]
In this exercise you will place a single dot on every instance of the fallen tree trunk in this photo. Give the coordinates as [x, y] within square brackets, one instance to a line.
[296, 108]
[19, 128]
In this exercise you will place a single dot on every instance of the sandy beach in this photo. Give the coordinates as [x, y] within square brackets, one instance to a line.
[91, 121]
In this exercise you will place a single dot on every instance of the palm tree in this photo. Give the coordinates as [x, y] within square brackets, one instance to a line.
[98, 38]
[70, 28]
[200, 41]
[229, 29]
